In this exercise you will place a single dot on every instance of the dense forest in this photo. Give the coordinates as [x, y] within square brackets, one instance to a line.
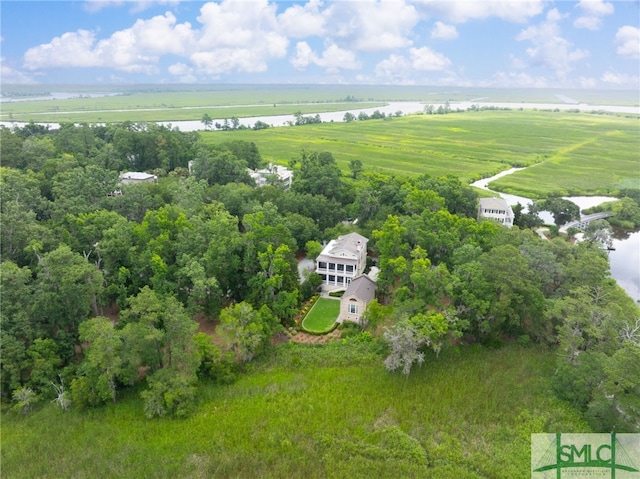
[103, 284]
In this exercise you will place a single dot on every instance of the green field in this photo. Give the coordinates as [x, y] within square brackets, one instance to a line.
[578, 152]
[322, 315]
[156, 107]
[189, 102]
[314, 412]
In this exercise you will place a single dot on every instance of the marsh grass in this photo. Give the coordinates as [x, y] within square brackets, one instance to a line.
[98, 110]
[574, 153]
[314, 412]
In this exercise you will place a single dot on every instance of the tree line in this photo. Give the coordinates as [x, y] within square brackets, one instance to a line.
[100, 290]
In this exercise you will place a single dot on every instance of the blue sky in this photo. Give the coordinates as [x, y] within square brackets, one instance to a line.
[483, 43]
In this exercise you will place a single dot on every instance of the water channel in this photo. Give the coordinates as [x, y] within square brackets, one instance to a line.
[624, 258]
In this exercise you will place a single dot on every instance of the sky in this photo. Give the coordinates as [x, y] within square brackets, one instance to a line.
[592, 44]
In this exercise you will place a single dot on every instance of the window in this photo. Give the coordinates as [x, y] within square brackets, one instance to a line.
[332, 266]
[352, 308]
[322, 265]
[324, 277]
[340, 267]
[332, 278]
[340, 279]
[349, 268]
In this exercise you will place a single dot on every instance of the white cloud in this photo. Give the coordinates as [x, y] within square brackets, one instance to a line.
[303, 20]
[593, 11]
[596, 7]
[72, 49]
[333, 59]
[442, 31]
[231, 37]
[304, 56]
[588, 22]
[628, 40]
[517, 63]
[371, 25]
[135, 49]
[398, 68]
[459, 11]
[549, 49]
[183, 73]
[234, 37]
[425, 59]
[9, 74]
[395, 67]
[621, 80]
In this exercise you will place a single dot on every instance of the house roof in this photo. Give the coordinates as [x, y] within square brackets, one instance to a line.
[362, 287]
[352, 243]
[494, 203]
[136, 175]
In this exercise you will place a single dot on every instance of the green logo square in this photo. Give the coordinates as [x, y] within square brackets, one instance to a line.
[577, 456]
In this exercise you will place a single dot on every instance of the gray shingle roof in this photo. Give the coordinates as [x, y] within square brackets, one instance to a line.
[494, 203]
[352, 242]
[362, 287]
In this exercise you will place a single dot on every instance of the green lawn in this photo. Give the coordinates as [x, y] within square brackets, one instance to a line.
[322, 315]
[314, 412]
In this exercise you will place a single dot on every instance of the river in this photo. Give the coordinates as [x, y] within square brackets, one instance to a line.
[403, 107]
[624, 259]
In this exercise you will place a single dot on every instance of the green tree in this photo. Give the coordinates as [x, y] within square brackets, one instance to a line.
[220, 166]
[319, 174]
[348, 117]
[102, 363]
[44, 362]
[66, 290]
[355, 166]
[246, 151]
[247, 329]
[600, 233]
[563, 211]
[24, 398]
[407, 338]
[82, 190]
[207, 121]
[21, 205]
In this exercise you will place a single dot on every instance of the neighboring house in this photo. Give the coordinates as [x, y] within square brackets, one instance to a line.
[273, 174]
[355, 299]
[342, 260]
[496, 209]
[132, 177]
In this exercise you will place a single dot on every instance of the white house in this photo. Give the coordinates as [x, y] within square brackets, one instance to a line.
[342, 260]
[355, 299]
[496, 209]
[136, 177]
[283, 175]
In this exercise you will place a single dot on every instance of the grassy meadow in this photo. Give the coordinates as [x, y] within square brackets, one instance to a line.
[322, 315]
[156, 107]
[575, 153]
[189, 102]
[315, 412]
